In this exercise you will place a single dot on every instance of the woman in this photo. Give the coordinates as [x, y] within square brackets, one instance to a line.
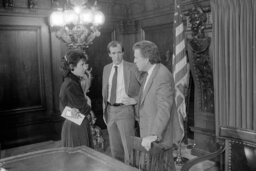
[71, 94]
[96, 133]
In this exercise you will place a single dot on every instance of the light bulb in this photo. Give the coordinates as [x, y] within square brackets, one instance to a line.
[56, 19]
[99, 18]
[70, 17]
[86, 16]
[77, 9]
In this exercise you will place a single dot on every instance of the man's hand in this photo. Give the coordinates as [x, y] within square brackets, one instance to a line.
[146, 141]
[129, 101]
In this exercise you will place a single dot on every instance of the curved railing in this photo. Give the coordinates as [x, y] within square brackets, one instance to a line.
[191, 163]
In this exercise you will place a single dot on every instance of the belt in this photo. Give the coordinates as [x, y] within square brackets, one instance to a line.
[115, 104]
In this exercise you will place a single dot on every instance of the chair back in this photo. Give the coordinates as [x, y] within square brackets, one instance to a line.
[157, 158]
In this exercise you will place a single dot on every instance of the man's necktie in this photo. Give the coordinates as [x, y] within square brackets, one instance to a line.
[113, 88]
[144, 77]
[142, 86]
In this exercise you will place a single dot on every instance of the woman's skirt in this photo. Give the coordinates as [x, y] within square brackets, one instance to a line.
[73, 135]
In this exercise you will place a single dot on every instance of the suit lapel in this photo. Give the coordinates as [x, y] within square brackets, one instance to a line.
[126, 76]
[149, 83]
[107, 74]
[143, 79]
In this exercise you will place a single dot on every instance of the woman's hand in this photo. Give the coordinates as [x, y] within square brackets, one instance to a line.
[89, 102]
[75, 113]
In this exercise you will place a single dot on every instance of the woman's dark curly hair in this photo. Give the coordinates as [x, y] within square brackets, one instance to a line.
[70, 60]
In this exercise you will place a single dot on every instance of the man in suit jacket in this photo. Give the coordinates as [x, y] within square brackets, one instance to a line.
[156, 103]
[119, 113]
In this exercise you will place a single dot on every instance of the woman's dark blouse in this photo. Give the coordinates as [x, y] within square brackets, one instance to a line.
[71, 94]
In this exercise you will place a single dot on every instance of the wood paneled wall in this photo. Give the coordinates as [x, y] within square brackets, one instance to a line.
[18, 70]
[162, 35]
[26, 82]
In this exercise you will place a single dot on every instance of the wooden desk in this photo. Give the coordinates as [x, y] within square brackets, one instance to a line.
[64, 159]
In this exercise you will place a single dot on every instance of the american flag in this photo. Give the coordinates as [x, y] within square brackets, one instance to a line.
[180, 66]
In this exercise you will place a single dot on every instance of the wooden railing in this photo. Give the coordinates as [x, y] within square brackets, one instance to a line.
[193, 162]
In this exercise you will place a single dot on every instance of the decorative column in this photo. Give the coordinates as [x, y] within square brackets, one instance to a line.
[201, 68]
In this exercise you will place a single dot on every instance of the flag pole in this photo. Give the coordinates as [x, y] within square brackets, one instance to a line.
[179, 160]
[180, 72]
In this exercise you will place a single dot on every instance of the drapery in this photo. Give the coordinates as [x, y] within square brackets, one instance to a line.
[234, 63]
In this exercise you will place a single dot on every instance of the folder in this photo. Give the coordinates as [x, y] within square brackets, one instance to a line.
[67, 113]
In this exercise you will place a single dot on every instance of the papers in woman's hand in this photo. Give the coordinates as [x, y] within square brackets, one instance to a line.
[67, 113]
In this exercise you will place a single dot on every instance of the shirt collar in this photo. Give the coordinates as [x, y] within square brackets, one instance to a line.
[151, 69]
[119, 65]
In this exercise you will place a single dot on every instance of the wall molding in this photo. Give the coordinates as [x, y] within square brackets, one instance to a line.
[204, 131]
[236, 133]
[152, 14]
[41, 89]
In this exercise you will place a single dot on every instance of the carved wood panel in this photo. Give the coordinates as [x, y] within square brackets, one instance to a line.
[21, 85]
[26, 94]
[163, 37]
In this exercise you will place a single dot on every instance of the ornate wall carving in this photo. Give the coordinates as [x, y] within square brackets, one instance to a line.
[198, 48]
[203, 77]
[128, 26]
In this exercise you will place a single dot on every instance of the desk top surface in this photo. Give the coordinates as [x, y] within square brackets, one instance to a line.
[65, 159]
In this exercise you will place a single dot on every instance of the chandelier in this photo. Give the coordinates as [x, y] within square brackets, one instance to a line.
[77, 24]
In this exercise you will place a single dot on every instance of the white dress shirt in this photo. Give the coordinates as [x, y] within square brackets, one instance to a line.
[148, 76]
[120, 89]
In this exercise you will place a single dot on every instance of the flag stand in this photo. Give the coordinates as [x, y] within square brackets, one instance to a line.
[179, 160]
[191, 146]
[180, 73]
